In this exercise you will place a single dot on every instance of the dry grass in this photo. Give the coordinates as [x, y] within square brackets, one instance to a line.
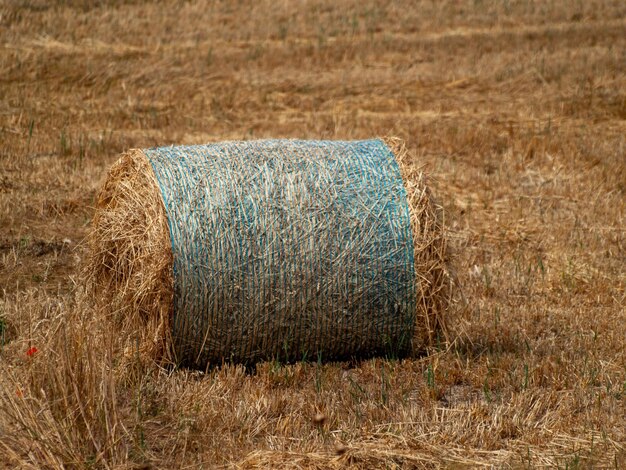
[518, 111]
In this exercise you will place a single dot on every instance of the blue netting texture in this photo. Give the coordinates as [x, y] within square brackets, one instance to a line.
[288, 250]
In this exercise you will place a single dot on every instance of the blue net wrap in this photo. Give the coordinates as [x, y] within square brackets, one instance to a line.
[287, 249]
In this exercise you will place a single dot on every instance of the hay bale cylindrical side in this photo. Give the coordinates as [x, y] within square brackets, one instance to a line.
[286, 249]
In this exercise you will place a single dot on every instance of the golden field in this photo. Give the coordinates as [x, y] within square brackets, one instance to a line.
[516, 110]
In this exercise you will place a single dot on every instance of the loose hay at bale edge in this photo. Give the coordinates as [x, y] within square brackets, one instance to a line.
[132, 263]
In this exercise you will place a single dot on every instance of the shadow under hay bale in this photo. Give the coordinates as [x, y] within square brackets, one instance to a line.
[276, 249]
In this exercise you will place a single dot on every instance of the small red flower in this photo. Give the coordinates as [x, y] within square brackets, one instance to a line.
[32, 351]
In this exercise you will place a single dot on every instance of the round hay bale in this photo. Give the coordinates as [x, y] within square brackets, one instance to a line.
[275, 249]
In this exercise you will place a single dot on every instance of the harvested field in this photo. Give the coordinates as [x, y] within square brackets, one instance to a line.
[517, 110]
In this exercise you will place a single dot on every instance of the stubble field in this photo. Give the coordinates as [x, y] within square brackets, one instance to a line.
[517, 111]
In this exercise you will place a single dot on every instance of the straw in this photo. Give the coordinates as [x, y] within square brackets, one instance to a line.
[276, 249]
